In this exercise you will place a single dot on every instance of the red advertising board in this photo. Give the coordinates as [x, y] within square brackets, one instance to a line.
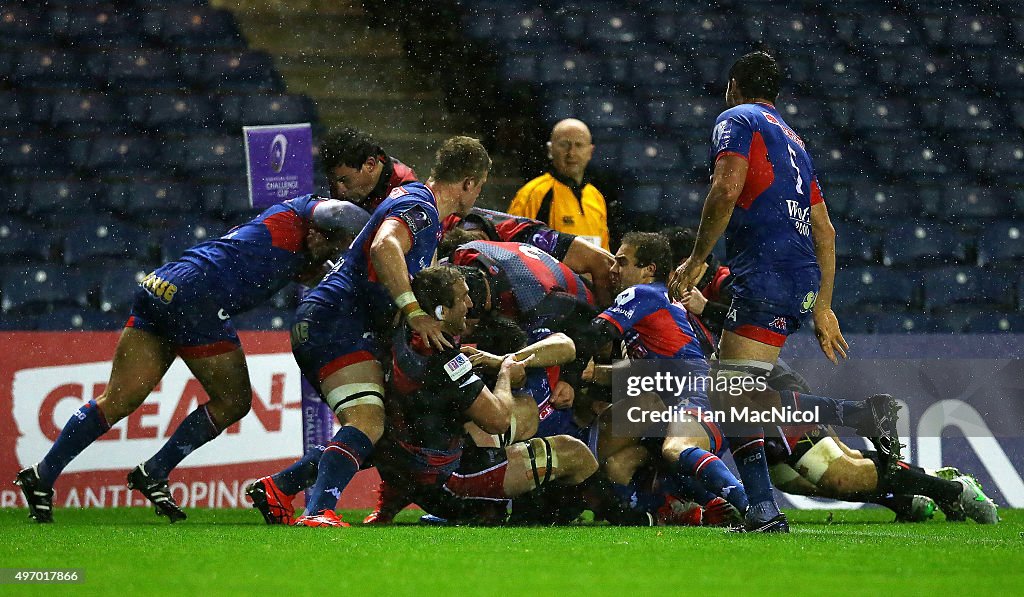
[46, 376]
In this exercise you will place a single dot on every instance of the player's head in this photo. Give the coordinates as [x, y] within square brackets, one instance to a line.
[455, 238]
[642, 258]
[462, 162]
[443, 294]
[499, 335]
[681, 240]
[479, 290]
[322, 245]
[353, 162]
[755, 76]
[570, 148]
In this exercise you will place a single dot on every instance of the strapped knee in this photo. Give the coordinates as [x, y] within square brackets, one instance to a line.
[816, 461]
[540, 459]
[355, 394]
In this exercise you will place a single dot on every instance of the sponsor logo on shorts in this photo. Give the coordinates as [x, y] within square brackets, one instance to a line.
[731, 315]
[159, 288]
[778, 323]
[809, 300]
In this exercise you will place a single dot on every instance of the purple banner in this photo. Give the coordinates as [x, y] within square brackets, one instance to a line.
[280, 162]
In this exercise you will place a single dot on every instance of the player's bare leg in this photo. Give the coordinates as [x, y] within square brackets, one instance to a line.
[559, 459]
[522, 425]
[356, 394]
[225, 378]
[140, 361]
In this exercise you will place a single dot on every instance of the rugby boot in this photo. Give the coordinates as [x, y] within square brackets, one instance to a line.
[157, 492]
[922, 508]
[327, 518]
[39, 499]
[389, 503]
[675, 512]
[720, 513]
[973, 503]
[274, 504]
[883, 434]
[777, 524]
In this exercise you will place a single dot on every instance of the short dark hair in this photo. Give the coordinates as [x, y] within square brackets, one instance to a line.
[758, 75]
[452, 240]
[459, 158]
[347, 147]
[499, 335]
[681, 240]
[435, 287]
[651, 247]
[477, 284]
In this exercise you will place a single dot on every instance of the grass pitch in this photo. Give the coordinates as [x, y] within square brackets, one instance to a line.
[130, 551]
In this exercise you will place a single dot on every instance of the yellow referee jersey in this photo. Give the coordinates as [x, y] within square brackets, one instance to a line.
[565, 207]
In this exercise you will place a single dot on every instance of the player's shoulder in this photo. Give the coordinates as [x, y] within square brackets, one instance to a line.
[540, 184]
[450, 365]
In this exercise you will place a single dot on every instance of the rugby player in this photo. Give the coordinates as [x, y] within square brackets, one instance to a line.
[184, 308]
[358, 169]
[781, 248]
[338, 325]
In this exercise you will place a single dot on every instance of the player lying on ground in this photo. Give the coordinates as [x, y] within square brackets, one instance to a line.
[339, 325]
[184, 308]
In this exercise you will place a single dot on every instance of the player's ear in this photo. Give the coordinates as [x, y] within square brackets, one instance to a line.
[548, 145]
[371, 163]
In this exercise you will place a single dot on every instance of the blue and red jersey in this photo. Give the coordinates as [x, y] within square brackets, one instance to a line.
[523, 275]
[500, 226]
[354, 277]
[770, 229]
[249, 264]
[652, 326]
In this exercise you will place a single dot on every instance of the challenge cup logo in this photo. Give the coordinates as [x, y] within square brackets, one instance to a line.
[278, 152]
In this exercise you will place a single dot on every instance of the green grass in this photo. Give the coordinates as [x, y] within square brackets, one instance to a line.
[131, 551]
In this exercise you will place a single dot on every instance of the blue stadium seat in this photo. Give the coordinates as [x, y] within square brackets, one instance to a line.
[804, 114]
[243, 71]
[642, 198]
[854, 244]
[100, 238]
[266, 109]
[911, 323]
[49, 69]
[60, 200]
[957, 111]
[660, 71]
[96, 27]
[885, 32]
[118, 286]
[193, 27]
[118, 155]
[694, 113]
[32, 156]
[837, 72]
[996, 323]
[920, 72]
[913, 157]
[175, 113]
[568, 68]
[72, 319]
[609, 111]
[838, 162]
[22, 240]
[1001, 243]
[976, 30]
[856, 322]
[908, 244]
[1005, 158]
[640, 156]
[33, 288]
[83, 113]
[530, 27]
[877, 203]
[143, 200]
[950, 286]
[264, 319]
[682, 204]
[16, 112]
[138, 70]
[788, 30]
[1006, 71]
[700, 29]
[229, 201]
[178, 239]
[210, 156]
[604, 29]
[877, 287]
[519, 67]
[973, 202]
[22, 26]
[872, 113]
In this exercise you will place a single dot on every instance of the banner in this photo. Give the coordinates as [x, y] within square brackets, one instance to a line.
[279, 159]
[46, 377]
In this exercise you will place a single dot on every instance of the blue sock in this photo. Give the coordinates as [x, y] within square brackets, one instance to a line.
[83, 428]
[714, 475]
[339, 463]
[686, 488]
[753, 467]
[302, 474]
[197, 429]
[829, 410]
[634, 498]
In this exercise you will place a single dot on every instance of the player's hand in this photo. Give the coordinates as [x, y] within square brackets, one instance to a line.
[562, 396]
[482, 358]
[684, 278]
[694, 301]
[513, 368]
[826, 328]
[430, 330]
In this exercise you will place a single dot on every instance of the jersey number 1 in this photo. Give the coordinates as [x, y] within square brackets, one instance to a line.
[792, 160]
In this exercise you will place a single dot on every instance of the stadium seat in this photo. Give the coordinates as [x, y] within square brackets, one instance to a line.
[649, 155]
[642, 198]
[876, 287]
[60, 200]
[659, 71]
[568, 69]
[694, 113]
[913, 157]
[246, 110]
[148, 199]
[1006, 71]
[525, 28]
[22, 241]
[909, 244]
[100, 239]
[885, 32]
[608, 28]
[118, 286]
[609, 111]
[853, 243]
[910, 323]
[84, 113]
[138, 70]
[519, 67]
[682, 204]
[1001, 244]
[975, 30]
[22, 25]
[871, 203]
[958, 112]
[176, 240]
[49, 69]
[872, 113]
[800, 30]
[263, 319]
[210, 156]
[175, 113]
[804, 115]
[920, 72]
[33, 288]
[243, 71]
[856, 322]
[947, 287]
[996, 323]
[973, 202]
[32, 156]
[72, 319]
[193, 27]
[1006, 158]
[837, 72]
[117, 155]
[17, 113]
[695, 29]
[96, 27]
[839, 162]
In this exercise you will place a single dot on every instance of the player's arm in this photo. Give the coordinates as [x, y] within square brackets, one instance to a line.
[711, 312]
[826, 326]
[726, 186]
[585, 258]
[492, 411]
[387, 253]
[555, 349]
[333, 215]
